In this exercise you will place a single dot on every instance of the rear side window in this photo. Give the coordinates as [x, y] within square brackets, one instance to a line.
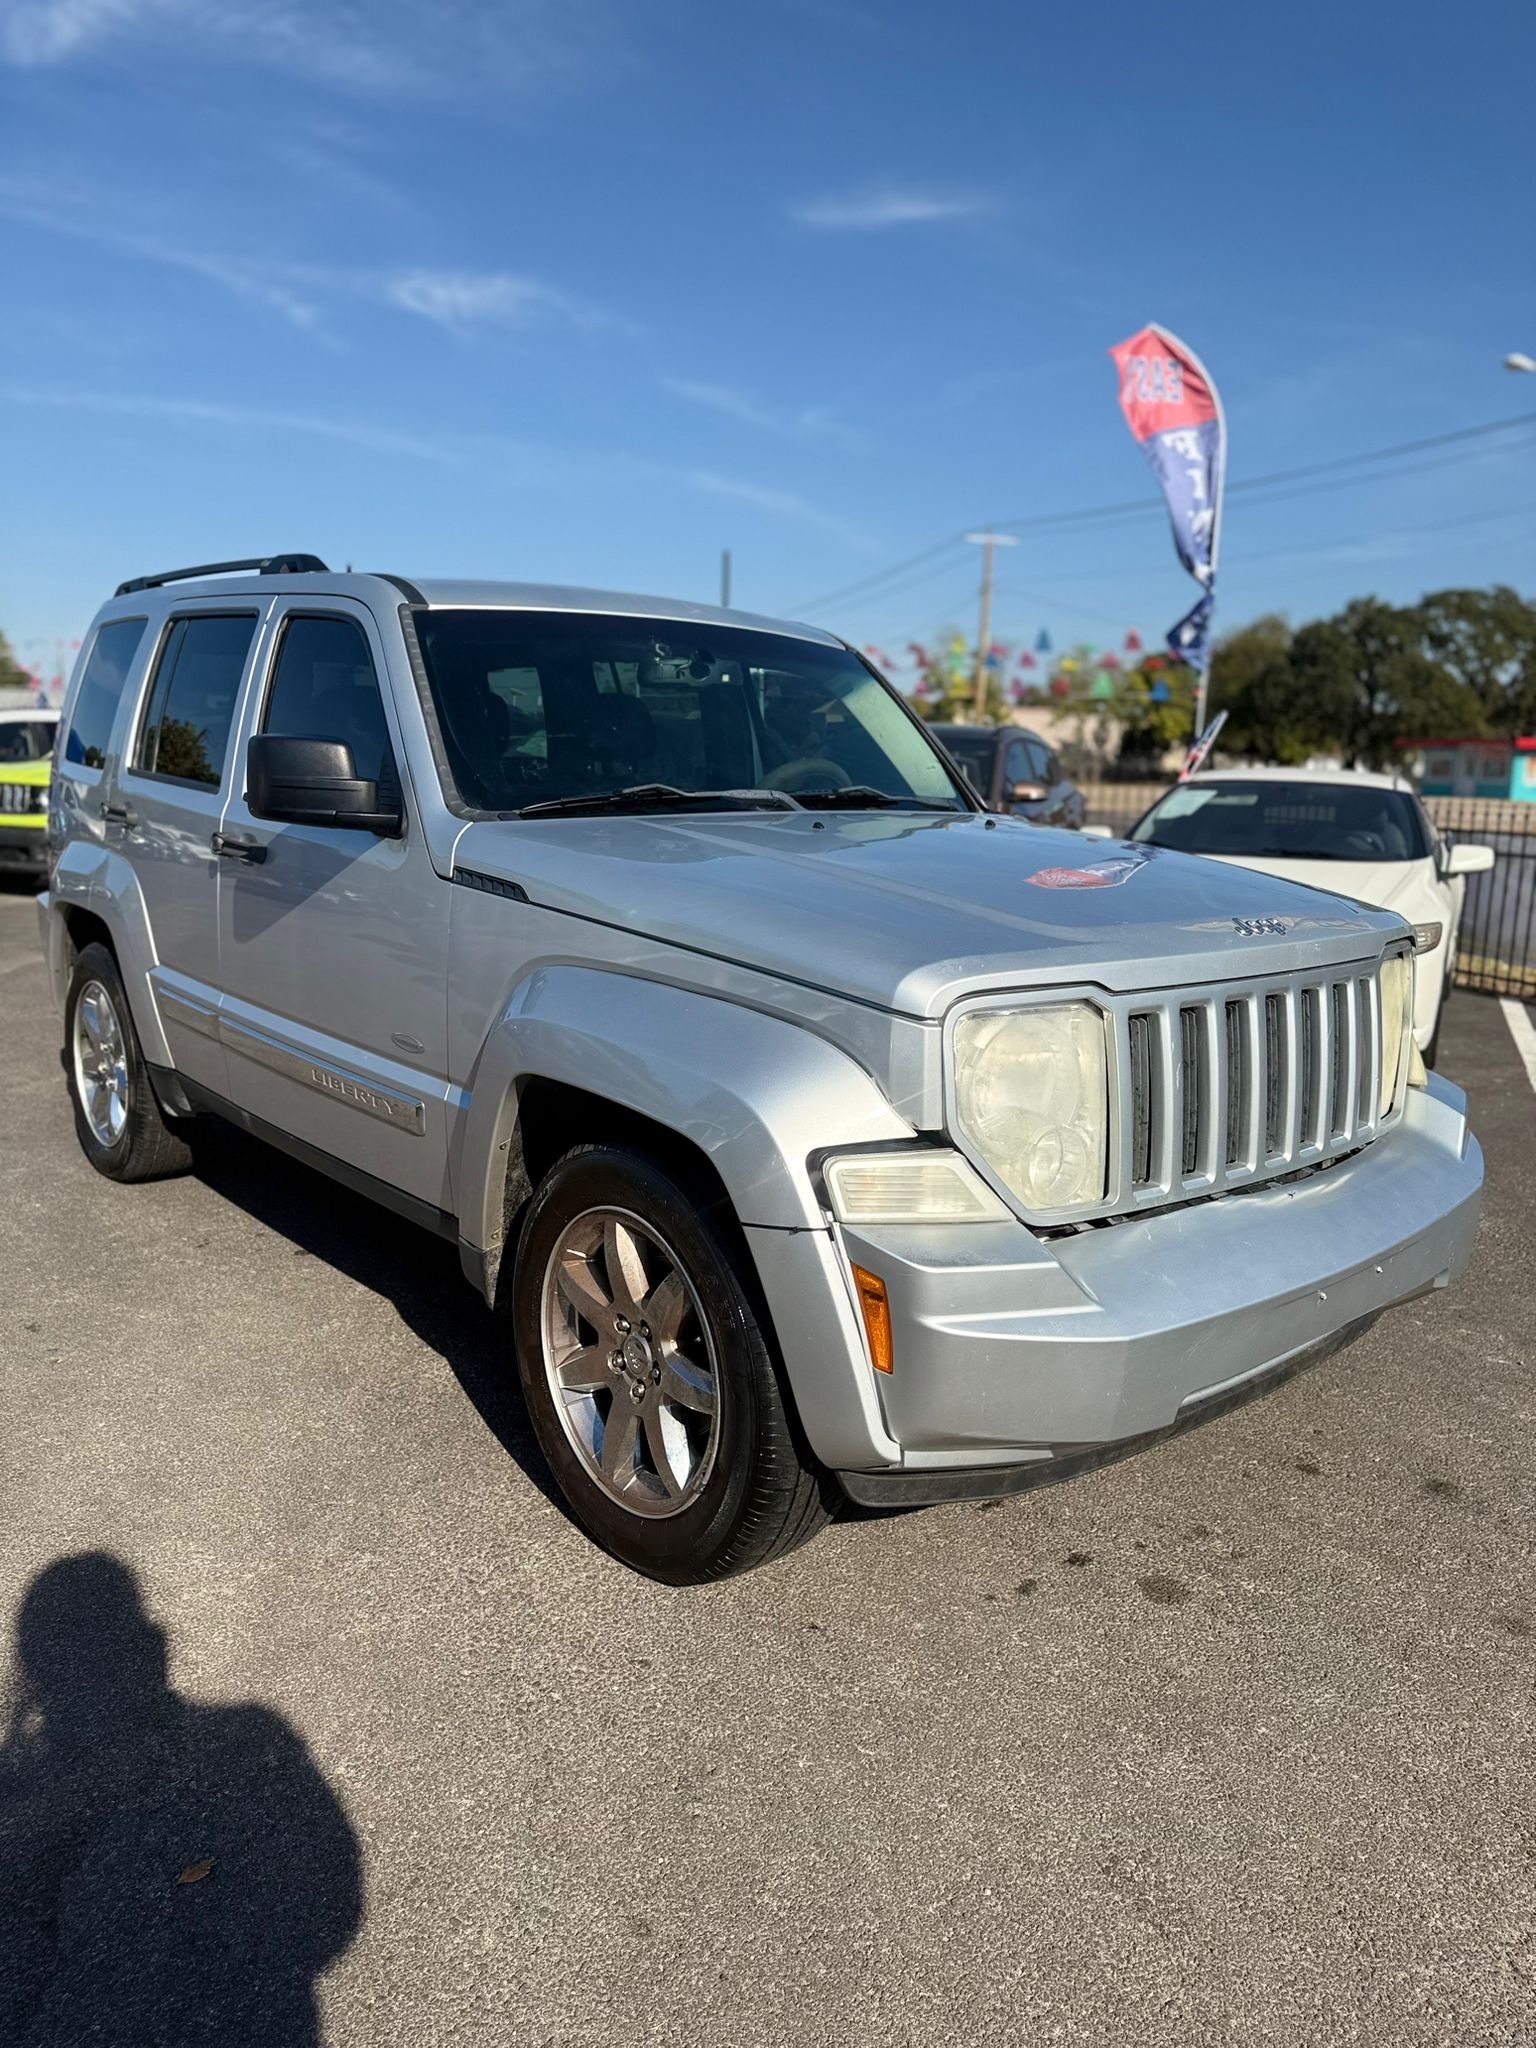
[324, 688]
[192, 700]
[90, 725]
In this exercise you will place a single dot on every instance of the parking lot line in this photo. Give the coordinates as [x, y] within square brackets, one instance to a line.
[1523, 1032]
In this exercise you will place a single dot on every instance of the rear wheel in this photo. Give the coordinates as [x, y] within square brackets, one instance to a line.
[648, 1374]
[117, 1119]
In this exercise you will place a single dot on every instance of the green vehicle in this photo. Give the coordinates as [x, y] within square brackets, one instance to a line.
[26, 770]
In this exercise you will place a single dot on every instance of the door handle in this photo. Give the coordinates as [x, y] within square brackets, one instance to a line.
[120, 814]
[227, 847]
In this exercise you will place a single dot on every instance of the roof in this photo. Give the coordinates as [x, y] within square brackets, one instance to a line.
[569, 597]
[1359, 778]
[437, 591]
[13, 714]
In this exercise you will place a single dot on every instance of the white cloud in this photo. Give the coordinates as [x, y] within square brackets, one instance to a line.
[48, 31]
[389, 47]
[259, 419]
[78, 214]
[802, 423]
[462, 299]
[305, 294]
[889, 206]
[781, 504]
[528, 465]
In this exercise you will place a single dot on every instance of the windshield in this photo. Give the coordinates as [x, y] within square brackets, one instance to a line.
[538, 706]
[1287, 821]
[26, 739]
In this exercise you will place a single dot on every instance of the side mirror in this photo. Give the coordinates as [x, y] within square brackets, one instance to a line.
[313, 782]
[1466, 860]
[1027, 792]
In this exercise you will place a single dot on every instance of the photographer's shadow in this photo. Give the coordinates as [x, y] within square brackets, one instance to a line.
[115, 1793]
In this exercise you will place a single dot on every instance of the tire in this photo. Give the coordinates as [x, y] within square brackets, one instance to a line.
[117, 1120]
[671, 1438]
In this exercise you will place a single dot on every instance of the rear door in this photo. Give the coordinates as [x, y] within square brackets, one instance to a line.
[165, 810]
[334, 943]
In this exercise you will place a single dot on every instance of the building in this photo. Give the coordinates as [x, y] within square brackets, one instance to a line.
[1489, 768]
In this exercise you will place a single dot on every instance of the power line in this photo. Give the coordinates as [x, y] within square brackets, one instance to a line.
[1119, 573]
[1132, 507]
[880, 575]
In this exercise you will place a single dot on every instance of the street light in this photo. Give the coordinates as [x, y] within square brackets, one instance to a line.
[1520, 362]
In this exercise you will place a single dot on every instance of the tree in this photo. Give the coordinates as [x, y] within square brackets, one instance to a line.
[946, 685]
[1486, 641]
[1268, 713]
[1156, 703]
[12, 675]
[1365, 676]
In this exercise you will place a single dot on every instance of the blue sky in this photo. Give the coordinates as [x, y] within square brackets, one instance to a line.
[586, 290]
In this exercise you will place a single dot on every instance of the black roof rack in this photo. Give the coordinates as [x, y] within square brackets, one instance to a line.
[269, 565]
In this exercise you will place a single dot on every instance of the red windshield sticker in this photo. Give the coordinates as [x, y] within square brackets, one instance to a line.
[1099, 874]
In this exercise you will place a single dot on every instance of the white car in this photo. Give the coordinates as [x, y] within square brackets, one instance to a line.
[1360, 835]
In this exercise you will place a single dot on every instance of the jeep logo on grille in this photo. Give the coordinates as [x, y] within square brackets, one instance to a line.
[1260, 927]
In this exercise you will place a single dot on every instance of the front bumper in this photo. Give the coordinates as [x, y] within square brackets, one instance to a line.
[1017, 1352]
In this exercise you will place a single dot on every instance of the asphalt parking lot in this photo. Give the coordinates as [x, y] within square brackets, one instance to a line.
[1228, 1743]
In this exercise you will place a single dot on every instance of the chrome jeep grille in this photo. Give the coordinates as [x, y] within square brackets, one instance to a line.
[1225, 1086]
[18, 796]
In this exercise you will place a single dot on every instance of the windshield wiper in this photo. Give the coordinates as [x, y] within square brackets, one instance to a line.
[859, 796]
[646, 796]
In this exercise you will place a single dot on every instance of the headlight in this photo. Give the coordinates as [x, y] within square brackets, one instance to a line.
[1396, 1009]
[927, 1186]
[1427, 936]
[1032, 1097]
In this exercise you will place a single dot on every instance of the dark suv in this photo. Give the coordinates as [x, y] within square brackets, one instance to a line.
[1014, 771]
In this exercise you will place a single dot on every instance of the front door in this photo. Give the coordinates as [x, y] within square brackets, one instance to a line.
[334, 943]
[165, 812]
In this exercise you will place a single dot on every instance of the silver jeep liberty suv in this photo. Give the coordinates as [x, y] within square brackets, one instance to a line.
[809, 1130]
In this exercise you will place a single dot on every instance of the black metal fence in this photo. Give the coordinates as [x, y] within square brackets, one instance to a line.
[1496, 936]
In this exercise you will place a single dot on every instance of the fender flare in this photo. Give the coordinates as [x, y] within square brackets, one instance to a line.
[757, 1095]
[91, 877]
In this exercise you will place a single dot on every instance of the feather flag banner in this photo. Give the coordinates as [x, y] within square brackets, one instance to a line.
[1172, 407]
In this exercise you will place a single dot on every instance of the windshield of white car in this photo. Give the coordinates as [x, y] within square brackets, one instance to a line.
[539, 708]
[27, 739]
[1287, 821]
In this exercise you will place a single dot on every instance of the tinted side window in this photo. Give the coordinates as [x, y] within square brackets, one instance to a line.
[192, 703]
[100, 687]
[1018, 767]
[324, 688]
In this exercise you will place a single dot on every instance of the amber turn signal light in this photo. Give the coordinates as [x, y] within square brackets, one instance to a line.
[876, 1311]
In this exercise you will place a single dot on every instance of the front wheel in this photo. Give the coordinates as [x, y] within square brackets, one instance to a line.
[648, 1375]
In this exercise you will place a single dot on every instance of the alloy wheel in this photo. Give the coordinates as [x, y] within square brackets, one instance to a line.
[630, 1362]
[100, 1064]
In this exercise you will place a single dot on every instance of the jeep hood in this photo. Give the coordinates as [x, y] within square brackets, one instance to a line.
[909, 911]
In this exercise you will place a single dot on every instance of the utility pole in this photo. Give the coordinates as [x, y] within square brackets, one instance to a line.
[725, 579]
[986, 542]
